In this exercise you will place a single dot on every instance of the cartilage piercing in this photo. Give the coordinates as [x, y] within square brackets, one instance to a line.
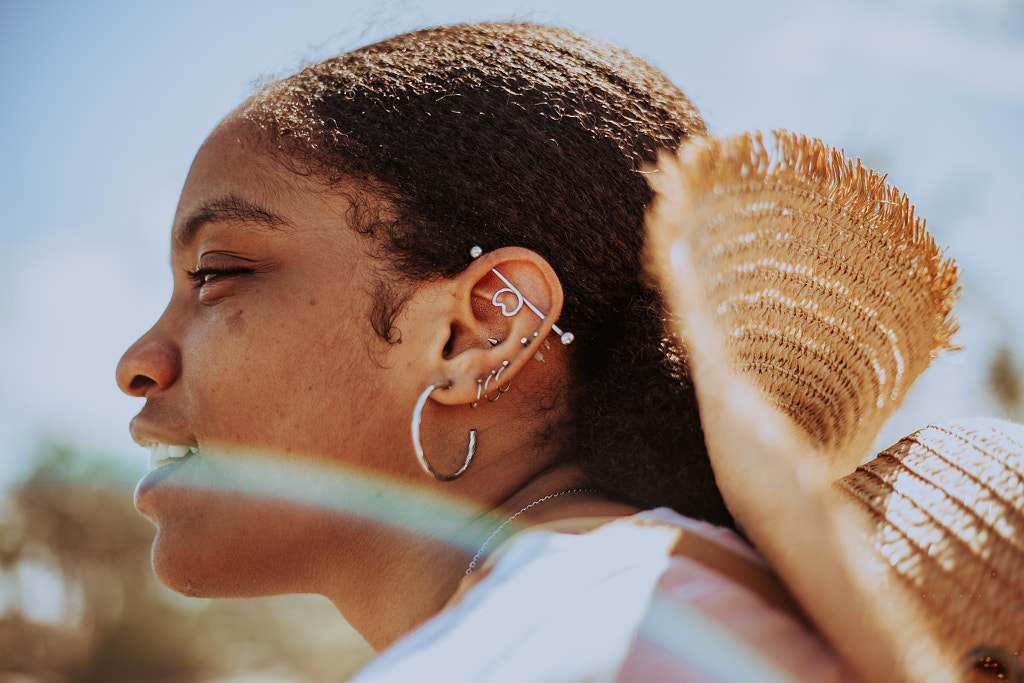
[565, 337]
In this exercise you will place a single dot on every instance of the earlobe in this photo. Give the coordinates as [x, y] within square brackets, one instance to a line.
[512, 298]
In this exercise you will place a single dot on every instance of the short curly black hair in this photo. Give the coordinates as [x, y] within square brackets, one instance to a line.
[518, 134]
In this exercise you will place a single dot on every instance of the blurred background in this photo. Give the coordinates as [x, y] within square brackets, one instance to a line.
[104, 104]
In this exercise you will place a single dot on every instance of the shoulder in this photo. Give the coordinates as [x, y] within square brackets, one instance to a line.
[718, 611]
[585, 600]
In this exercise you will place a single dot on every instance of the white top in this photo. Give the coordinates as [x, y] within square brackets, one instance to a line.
[610, 605]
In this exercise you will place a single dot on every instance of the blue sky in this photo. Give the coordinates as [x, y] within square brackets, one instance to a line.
[106, 102]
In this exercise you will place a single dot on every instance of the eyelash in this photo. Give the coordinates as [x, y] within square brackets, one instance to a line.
[205, 275]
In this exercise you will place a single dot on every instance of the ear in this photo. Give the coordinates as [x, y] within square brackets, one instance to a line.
[506, 303]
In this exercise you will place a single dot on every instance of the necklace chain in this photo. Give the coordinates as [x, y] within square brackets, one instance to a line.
[479, 553]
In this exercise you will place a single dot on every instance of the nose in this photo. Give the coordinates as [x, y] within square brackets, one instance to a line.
[153, 361]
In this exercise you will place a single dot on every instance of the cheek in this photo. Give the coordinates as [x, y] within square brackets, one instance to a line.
[288, 382]
[239, 374]
[236, 323]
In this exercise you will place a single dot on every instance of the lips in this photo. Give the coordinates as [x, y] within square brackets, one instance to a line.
[164, 460]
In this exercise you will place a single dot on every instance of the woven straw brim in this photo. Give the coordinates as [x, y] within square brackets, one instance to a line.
[829, 293]
[947, 506]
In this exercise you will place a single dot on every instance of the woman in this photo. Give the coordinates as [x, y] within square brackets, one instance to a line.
[443, 232]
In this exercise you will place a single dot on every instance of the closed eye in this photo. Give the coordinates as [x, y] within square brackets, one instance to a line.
[204, 274]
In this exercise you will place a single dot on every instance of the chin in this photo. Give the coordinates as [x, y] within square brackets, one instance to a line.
[223, 562]
[182, 567]
[226, 545]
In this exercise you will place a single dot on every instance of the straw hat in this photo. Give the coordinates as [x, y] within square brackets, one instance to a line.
[827, 289]
[804, 280]
[947, 507]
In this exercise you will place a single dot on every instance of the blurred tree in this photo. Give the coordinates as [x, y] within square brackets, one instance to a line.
[1006, 383]
[73, 519]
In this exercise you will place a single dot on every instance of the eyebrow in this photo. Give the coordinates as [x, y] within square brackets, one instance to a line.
[231, 208]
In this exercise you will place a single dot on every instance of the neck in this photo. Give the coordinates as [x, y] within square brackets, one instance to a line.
[410, 582]
[412, 577]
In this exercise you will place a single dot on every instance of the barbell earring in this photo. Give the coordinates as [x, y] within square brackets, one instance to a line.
[565, 337]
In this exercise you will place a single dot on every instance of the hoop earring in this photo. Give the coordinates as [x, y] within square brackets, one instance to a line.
[487, 386]
[416, 415]
[497, 382]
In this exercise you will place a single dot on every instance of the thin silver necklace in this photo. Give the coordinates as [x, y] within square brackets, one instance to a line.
[479, 553]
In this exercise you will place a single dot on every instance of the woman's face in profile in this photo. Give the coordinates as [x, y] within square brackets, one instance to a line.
[264, 349]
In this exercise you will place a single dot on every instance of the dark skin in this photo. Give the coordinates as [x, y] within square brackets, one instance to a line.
[267, 348]
[549, 156]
